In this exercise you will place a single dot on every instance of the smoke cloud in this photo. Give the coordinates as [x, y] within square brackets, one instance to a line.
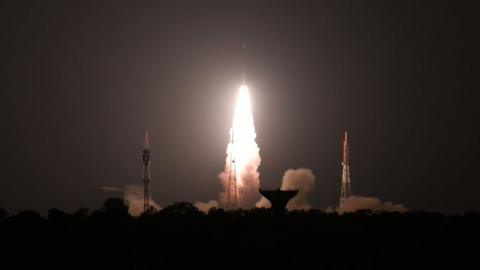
[354, 203]
[300, 179]
[247, 185]
[205, 206]
[133, 196]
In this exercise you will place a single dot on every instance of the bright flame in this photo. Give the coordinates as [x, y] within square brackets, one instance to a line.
[243, 149]
[243, 132]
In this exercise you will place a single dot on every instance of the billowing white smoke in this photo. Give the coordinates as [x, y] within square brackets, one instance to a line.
[246, 154]
[205, 206]
[354, 203]
[300, 179]
[133, 196]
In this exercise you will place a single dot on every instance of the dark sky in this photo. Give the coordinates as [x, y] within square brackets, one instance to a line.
[80, 80]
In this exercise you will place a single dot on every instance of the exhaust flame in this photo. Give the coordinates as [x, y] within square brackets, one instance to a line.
[243, 149]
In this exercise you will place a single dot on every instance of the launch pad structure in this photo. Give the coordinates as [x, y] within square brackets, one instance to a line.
[146, 172]
[232, 176]
[346, 189]
[278, 198]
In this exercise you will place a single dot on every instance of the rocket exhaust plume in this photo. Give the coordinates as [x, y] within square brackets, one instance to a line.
[240, 178]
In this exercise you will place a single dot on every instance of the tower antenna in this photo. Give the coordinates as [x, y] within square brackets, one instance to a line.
[146, 172]
[346, 190]
[232, 177]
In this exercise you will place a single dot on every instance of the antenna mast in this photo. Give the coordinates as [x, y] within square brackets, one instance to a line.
[346, 190]
[232, 177]
[146, 172]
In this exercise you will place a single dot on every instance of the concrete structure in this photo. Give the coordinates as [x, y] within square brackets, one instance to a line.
[278, 198]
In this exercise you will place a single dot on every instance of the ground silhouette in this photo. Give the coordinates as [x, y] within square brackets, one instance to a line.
[181, 236]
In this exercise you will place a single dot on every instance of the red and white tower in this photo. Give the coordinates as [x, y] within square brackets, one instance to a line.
[146, 172]
[232, 176]
[346, 190]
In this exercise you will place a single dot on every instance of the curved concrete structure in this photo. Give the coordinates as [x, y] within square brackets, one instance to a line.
[278, 198]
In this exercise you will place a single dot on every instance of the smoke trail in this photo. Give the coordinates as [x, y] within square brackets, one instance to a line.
[133, 195]
[246, 154]
[354, 203]
[300, 179]
[205, 206]
[112, 189]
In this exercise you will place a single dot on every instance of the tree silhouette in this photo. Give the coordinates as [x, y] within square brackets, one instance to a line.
[3, 213]
[181, 209]
[80, 213]
[56, 214]
[115, 207]
[28, 215]
[180, 235]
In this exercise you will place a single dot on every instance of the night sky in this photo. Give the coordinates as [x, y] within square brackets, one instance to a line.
[81, 80]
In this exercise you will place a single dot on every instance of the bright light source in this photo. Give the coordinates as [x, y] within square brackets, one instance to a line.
[244, 151]
[243, 87]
